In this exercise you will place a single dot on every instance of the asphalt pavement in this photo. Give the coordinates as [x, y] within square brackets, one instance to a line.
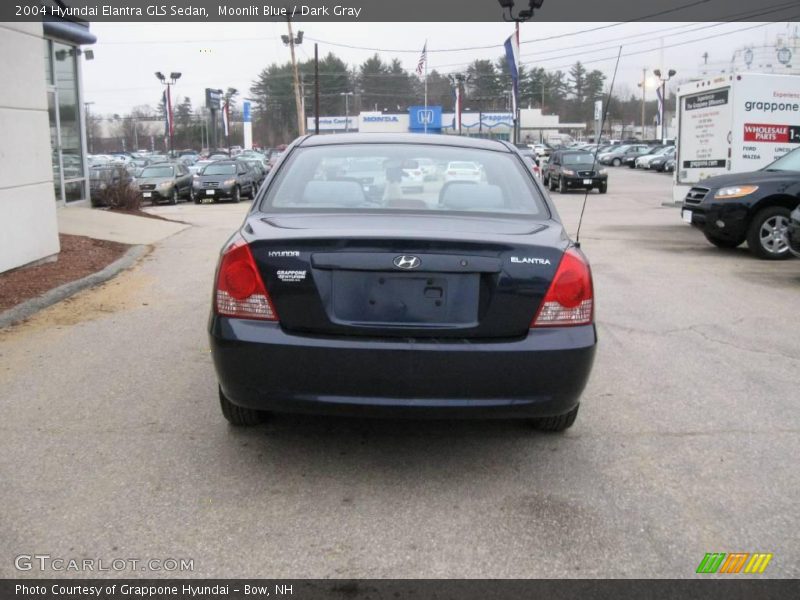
[112, 444]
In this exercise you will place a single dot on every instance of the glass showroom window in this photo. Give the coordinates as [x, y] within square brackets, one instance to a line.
[65, 75]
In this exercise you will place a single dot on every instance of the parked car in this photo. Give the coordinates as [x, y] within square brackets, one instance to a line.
[571, 169]
[259, 171]
[462, 171]
[618, 154]
[534, 167]
[754, 207]
[643, 160]
[793, 234]
[224, 179]
[199, 165]
[369, 172]
[105, 180]
[658, 163]
[165, 182]
[475, 304]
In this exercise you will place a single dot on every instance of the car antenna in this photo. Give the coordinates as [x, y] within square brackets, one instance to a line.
[597, 147]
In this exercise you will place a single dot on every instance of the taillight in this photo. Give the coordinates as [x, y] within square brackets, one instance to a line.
[240, 291]
[570, 299]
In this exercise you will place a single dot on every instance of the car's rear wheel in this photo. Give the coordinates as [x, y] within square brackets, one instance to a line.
[767, 237]
[723, 243]
[556, 423]
[238, 416]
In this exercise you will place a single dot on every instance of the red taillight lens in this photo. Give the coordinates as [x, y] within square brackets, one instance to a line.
[240, 291]
[570, 299]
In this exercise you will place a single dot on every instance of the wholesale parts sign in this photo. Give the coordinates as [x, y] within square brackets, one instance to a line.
[779, 134]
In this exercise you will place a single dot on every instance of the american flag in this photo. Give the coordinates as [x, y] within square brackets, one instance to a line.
[423, 58]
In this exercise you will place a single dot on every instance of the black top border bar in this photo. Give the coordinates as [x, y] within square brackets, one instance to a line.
[396, 10]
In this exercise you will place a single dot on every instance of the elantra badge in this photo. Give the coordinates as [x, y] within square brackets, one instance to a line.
[407, 262]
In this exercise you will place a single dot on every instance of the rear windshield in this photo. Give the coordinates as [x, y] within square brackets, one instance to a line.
[370, 177]
[213, 169]
[164, 171]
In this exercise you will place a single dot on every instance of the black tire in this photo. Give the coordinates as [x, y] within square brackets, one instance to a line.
[173, 198]
[238, 416]
[562, 186]
[723, 243]
[764, 247]
[558, 423]
[551, 184]
[603, 188]
[237, 194]
[632, 165]
[616, 162]
[546, 180]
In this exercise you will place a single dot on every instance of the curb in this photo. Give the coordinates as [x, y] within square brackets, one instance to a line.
[28, 308]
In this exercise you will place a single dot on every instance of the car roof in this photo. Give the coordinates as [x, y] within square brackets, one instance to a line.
[404, 138]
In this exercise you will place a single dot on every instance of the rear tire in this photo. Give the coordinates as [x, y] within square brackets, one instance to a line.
[722, 243]
[238, 416]
[558, 423]
[759, 239]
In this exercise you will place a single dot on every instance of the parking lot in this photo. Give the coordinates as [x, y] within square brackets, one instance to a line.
[113, 445]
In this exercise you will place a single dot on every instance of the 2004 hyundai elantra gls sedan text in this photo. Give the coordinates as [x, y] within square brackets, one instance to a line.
[466, 299]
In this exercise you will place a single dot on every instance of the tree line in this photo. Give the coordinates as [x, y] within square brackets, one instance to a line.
[380, 85]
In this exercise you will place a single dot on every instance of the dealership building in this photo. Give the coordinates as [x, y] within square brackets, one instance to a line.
[534, 126]
[42, 119]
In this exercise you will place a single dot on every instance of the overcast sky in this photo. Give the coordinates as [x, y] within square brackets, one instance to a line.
[222, 55]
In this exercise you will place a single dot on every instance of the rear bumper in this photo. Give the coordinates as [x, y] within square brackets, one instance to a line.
[260, 366]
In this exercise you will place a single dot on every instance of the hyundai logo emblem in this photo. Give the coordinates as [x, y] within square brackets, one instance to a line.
[407, 262]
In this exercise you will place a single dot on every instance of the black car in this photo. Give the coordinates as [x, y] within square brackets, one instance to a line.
[752, 207]
[794, 232]
[659, 163]
[224, 179]
[571, 169]
[465, 299]
[259, 170]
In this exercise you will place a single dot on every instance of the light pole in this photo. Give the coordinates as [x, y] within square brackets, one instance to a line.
[522, 15]
[663, 104]
[173, 78]
[346, 109]
[291, 41]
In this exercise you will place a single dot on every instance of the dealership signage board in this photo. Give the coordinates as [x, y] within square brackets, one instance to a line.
[425, 118]
[378, 122]
[734, 124]
[340, 123]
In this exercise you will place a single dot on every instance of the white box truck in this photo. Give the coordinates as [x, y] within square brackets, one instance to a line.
[734, 124]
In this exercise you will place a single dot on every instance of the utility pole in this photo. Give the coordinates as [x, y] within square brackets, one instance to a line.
[290, 40]
[316, 89]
